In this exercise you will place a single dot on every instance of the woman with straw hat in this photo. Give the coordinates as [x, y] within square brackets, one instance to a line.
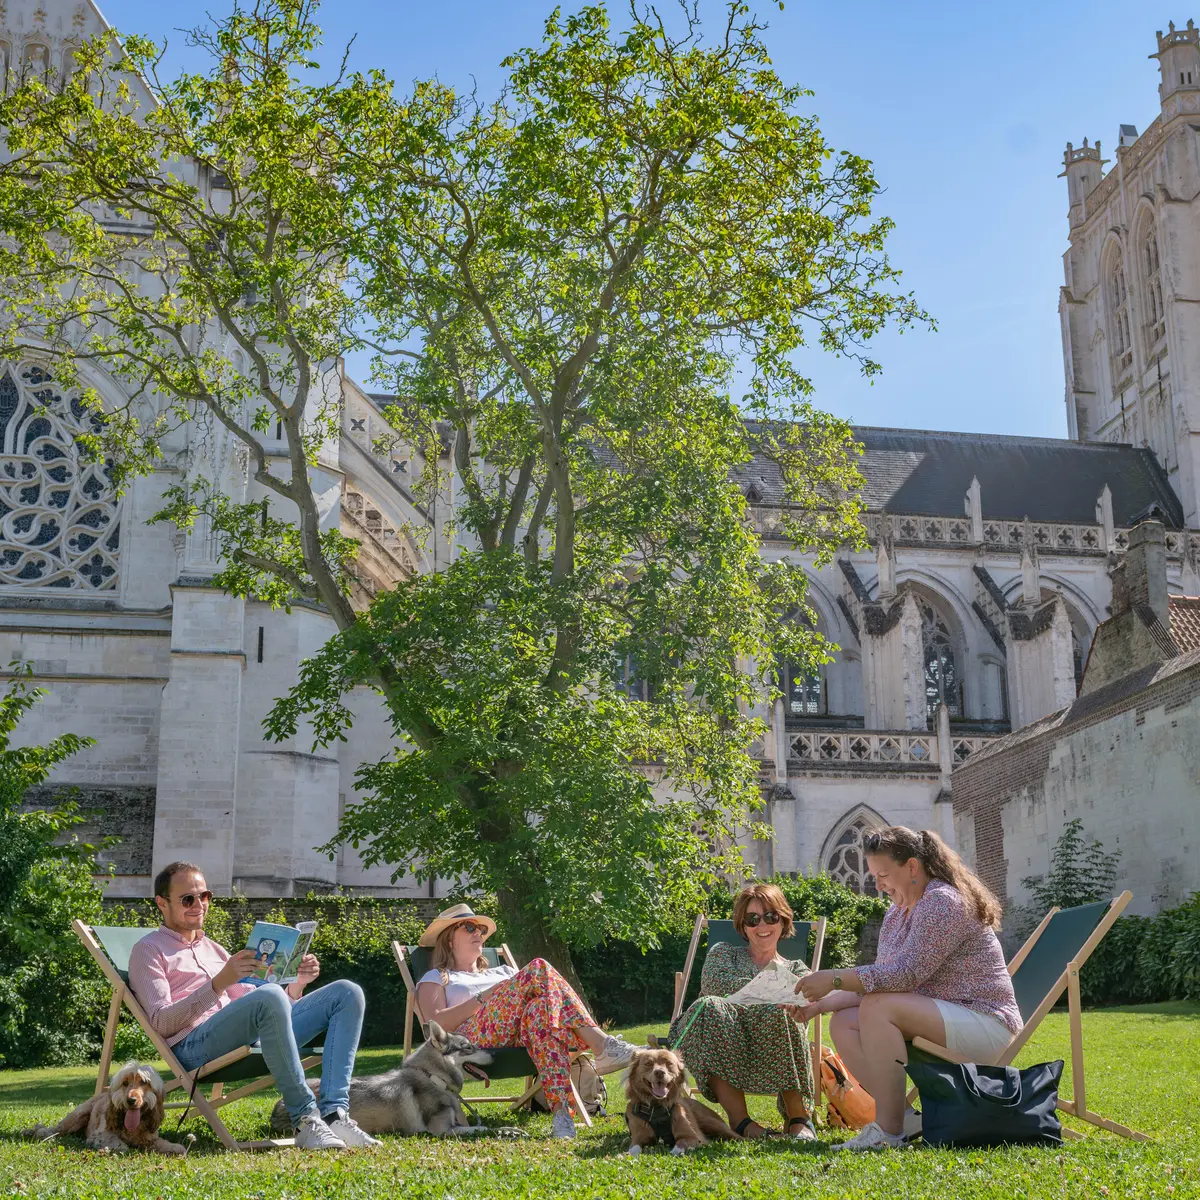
[497, 1006]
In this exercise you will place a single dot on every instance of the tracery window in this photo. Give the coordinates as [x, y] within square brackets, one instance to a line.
[941, 668]
[59, 514]
[803, 690]
[846, 861]
[1118, 319]
[1156, 322]
[628, 679]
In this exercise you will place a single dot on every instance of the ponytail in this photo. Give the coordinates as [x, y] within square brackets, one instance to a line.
[939, 862]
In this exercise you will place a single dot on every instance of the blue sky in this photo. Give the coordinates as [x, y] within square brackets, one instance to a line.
[964, 108]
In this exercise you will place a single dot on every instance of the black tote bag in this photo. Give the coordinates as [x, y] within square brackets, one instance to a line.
[964, 1104]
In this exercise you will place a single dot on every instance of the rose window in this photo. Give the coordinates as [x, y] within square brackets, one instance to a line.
[59, 514]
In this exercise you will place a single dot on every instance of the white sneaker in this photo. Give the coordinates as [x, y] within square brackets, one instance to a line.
[615, 1055]
[912, 1123]
[344, 1126]
[872, 1137]
[563, 1126]
[314, 1134]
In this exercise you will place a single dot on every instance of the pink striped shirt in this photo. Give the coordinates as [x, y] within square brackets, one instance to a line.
[172, 979]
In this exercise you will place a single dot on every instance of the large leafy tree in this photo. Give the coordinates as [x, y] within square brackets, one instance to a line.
[595, 291]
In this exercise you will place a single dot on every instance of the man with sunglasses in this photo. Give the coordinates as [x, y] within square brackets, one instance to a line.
[190, 988]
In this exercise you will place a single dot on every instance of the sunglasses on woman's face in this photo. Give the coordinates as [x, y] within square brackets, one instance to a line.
[752, 920]
[471, 927]
[191, 898]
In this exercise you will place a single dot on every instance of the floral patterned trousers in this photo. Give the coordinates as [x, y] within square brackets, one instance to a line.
[536, 1009]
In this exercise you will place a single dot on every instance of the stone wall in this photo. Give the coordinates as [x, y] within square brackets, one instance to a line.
[1125, 759]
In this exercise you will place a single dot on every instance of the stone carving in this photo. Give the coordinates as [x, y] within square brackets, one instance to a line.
[59, 516]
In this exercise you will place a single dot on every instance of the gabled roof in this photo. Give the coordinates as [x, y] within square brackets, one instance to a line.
[928, 472]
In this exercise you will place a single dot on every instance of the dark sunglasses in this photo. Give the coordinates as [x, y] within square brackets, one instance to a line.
[471, 927]
[752, 920]
[190, 899]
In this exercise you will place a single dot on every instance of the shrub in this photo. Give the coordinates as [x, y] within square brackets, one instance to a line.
[52, 1001]
[1081, 872]
[1145, 960]
[624, 985]
[629, 987]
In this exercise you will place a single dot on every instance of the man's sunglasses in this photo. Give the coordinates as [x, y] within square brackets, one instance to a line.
[471, 927]
[190, 899]
[752, 920]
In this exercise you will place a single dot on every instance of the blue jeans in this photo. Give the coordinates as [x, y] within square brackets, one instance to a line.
[267, 1016]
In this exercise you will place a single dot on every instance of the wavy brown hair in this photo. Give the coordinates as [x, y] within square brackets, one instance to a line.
[938, 861]
[771, 899]
[442, 956]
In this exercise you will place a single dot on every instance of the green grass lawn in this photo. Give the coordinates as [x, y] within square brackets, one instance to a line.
[1144, 1070]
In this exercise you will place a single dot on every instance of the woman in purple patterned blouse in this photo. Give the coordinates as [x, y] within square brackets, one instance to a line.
[939, 974]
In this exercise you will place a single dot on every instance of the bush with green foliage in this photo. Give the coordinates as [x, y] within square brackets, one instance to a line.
[51, 1000]
[627, 987]
[1081, 872]
[623, 984]
[1142, 960]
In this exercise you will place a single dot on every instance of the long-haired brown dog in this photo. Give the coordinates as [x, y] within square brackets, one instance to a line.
[125, 1116]
[657, 1110]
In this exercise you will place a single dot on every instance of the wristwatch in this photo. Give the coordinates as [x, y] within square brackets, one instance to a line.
[837, 983]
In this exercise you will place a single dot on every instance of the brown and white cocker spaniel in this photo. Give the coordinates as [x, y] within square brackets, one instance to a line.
[125, 1116]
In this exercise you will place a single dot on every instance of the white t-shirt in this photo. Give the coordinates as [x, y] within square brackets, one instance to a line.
[462, 985]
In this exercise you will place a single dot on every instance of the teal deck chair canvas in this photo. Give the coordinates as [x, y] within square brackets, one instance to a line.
[807, 942]
[111, 947]
[1047, 965]
[508, 1062]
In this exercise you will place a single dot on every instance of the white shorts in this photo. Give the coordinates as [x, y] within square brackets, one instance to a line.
[976, 1036]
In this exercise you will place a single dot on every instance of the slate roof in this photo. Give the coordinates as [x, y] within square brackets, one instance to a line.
[1185, 622]
[928, 472]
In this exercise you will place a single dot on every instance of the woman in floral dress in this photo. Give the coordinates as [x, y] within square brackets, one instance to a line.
[534, 1007]
[732, 1049]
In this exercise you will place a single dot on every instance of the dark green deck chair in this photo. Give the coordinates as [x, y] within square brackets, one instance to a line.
[1047, 965]
[507, 1062]
[111, 947]
[807, 942]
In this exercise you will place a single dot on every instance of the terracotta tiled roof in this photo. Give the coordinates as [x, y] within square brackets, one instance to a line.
[1185, 622]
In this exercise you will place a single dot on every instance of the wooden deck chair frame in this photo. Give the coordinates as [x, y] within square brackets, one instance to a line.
[412, 1013]
[682, 978]
[206, 1106]
[1068, 981]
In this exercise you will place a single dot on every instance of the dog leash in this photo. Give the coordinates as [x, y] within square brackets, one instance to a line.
[191, 1096]
[699, 1007]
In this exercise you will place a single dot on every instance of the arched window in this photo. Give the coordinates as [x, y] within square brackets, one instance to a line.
[1156, 321]
[803, 687]
[941, 668]
[803, 690]
[628, 679]
[845, 860]
[1120, 343]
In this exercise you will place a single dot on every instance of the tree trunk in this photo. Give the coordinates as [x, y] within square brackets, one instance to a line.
[533, 940]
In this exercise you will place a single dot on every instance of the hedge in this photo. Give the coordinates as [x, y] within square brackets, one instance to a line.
[1144, 960]
[624, 985]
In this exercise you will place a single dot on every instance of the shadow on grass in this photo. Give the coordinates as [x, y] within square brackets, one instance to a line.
[46, 1093]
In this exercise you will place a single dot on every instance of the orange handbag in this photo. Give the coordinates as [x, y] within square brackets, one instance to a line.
[849, 1106]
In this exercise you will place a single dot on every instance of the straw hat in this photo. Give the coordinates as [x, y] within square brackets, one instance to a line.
[452, 916]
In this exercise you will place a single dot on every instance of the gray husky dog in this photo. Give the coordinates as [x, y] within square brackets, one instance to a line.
[420, 1096]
